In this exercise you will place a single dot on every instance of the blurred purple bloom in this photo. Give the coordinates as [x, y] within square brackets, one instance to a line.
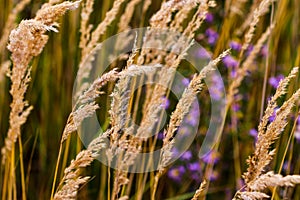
[235, 46]
[233, 73]
[186, 155]
[297, 132]
[236, 107]
[209, 18]
[229, 61]
[195, 166]
[240, 183]
[214, 176]
[160, 136]
[183, 131]
[175, 152]
[185, 81]
[166, 103]
[202, 53]
[211, 158]
[212, 36]
[192, 118]
[253, 132]
[264, 51]
[249, 49]
[176, 173]
[274, 81]
[216, 91]
[272, 118]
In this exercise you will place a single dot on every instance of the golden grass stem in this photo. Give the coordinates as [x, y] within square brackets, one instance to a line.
[11, 173]
[236, 149]
[267, 66]
[210, 166]
[56, 171]
[65, 157]
[22, 169]
[30, 161]
[108, 184]
[5, 180]
[103, 181]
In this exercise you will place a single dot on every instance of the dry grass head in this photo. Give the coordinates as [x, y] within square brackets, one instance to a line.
[26, 42]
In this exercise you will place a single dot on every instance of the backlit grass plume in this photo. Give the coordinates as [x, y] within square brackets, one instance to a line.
[256, 179]
[25, 42]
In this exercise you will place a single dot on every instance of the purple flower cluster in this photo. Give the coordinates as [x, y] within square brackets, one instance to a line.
[193, 169]
[274, 81]
[186, 156]
[202, 53]
[212, 36]
[209, 18]
[236, 107]
[166, 103]
[297, 132]
[235, 46]
[176, 173]
[253, 132]
[230, 62]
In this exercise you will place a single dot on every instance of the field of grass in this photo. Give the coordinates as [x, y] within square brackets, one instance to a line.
[91, 90]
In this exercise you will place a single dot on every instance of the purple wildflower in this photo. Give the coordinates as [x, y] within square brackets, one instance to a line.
[212, 36]
[202, 53]
[274, 81]
[185, 81]
[233, 73]
[249, 49]
[286, 166]
[272, 118]
[193, 116]
[216, 91]
[253, 132]
[264, 51]
[230, 62]
[236, 107]
[186, 155]
[211, 158]
[176, 173]
[175, 152]
[160, 136]
[166, 103]
[214, 176]
[183, 131]
[209, 18]
[194, 167]
[297, 132]
[235, 46]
